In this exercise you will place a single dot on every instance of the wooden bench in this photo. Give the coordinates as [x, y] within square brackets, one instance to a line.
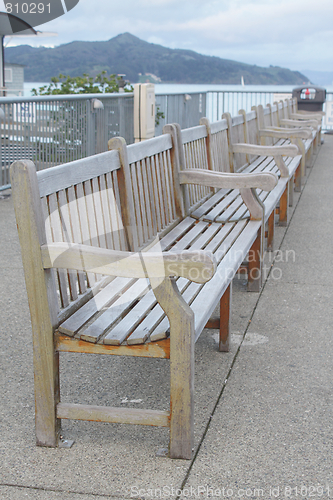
[281, 116]
[114, 264]
[273, 132]
[209, 147]
[247, 154]
[302, 115]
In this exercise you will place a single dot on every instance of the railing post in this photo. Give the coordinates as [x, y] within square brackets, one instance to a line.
[91, 130]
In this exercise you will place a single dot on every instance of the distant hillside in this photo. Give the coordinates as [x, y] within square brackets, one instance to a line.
[324, 78]
[129, 55]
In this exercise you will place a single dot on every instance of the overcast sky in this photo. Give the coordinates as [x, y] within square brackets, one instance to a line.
[296, 34]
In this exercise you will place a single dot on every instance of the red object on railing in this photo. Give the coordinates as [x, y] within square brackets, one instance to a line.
[307, 94]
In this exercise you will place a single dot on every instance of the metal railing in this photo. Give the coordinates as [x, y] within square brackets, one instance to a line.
[56, 129]
[185, 109]
[219, 102]
[328, 120]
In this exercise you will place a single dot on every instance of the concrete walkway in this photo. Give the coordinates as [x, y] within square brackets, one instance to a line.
[263, 412]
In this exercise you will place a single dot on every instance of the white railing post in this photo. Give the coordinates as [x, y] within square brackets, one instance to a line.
[144, 111]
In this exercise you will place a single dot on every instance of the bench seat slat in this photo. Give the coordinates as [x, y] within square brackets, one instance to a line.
[157, 313]
[224, 273]
[104, 322]
[197, 295]
[223, 204]
[73, 324]
[208, 204]
[140, 334]
[132, 319]
[162, 331]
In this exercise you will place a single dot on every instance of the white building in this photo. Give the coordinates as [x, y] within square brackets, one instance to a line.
[14, 79]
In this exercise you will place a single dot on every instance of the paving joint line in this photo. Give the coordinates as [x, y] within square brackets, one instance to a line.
[54, 490]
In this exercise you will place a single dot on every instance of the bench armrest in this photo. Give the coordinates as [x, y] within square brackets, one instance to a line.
[197, 265]
[286, 133]
[265, 181]
[306, 115]
[276, 151]
[246, 183]
[300, 123]
[254, 149]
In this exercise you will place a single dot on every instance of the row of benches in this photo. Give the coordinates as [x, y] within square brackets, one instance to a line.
[130, 251]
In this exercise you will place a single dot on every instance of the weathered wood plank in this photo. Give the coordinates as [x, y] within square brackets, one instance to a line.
[70, 174]
[113, 415]
[145, 149]
[73, 324]
[43, 305]
[152, 350]
[194, 134]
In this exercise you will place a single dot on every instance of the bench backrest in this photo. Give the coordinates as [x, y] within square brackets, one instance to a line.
[218, 141]
[244, 128]
[194, 152]
[78, 202]
[236, 134]
[156, 202]
[269, 116]
[282, 111]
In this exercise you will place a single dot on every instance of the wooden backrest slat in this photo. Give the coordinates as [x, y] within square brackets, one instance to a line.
[219, 146]
[219, 126]
[250, 132]
[195, 153]
[88, 213]
[163, 159]
[118, 229]
[68, 236]
[152, 171]
[156, 192]
[138, 207]
[49, 238]
[58, 235]
[240, 159]
[76, 231]
[105, 212]
[149, 148]
[63, 176]
[150, 199]
[194, 134]
[237, 120]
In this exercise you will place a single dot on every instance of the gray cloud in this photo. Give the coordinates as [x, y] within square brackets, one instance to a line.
[296, 34]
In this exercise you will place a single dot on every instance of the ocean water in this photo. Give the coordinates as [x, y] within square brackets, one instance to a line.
[175, 88]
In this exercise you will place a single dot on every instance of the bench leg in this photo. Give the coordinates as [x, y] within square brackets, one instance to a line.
[298, 179]
[303, 166]
[225, 317]
[270, 235]
[42, 302]
[182, 389]
[291, 191]
[254, 268]
[47, 394]
[283, 214]
[315, 144]
[309, 160]
[181, 319]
